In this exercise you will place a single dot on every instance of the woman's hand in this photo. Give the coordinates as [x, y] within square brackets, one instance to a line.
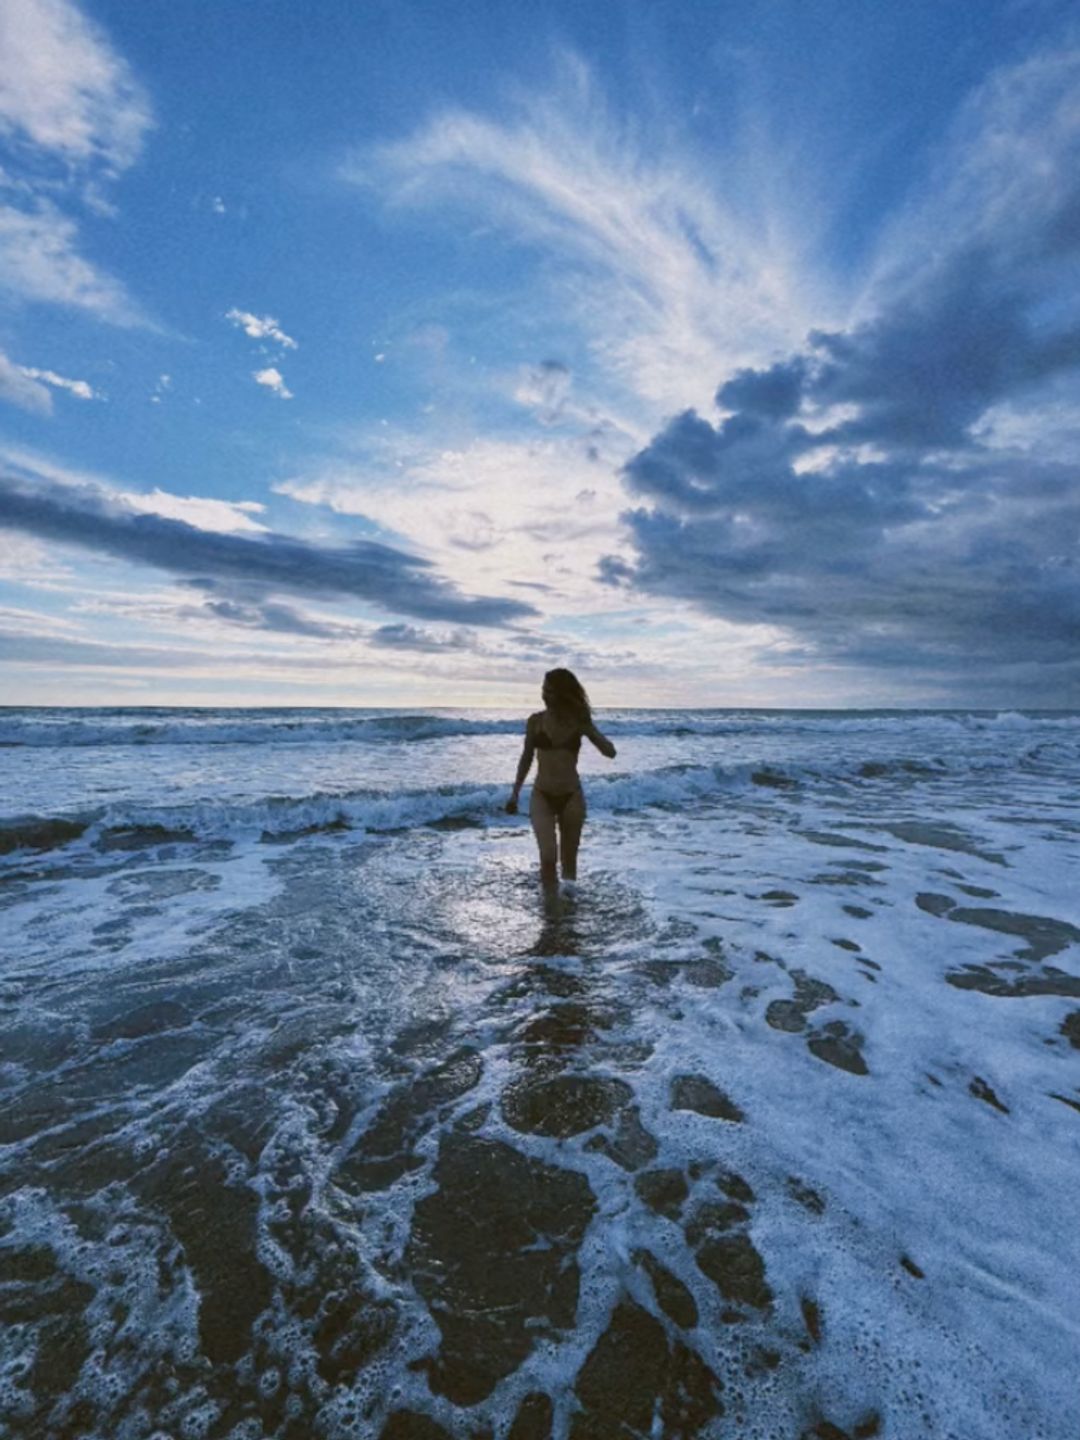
[511, 805]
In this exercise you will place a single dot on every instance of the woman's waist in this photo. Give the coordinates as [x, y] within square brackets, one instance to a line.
[557, 776]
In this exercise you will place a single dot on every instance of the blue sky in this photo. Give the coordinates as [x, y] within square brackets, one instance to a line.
[394, 353]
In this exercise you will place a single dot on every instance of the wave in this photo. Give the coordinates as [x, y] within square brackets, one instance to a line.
[284, 817]
[42, 729]
[279, 730]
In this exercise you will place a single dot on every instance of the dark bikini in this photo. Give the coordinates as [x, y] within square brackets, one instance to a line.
[543, 741]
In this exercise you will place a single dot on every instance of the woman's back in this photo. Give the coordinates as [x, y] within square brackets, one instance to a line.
[557, 740]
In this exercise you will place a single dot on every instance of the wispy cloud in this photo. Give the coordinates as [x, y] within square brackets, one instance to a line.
[545, 390]
[498, 513]
[40, 262]
[29, 387]
[21, 389]
[81, 389]
[669, 282]
[49, 649]
[72, 118]
[64, 91]
[28, 562]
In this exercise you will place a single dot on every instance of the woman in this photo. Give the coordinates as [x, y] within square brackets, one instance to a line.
[557, 800]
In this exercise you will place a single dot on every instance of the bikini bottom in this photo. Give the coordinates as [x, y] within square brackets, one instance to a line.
[558, 801]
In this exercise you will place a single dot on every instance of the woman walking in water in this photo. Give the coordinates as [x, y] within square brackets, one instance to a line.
[557, 799]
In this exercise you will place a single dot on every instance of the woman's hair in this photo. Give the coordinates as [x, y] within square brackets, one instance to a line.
[564, 693]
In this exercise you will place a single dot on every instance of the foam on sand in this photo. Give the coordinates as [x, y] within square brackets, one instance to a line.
[770, 1127]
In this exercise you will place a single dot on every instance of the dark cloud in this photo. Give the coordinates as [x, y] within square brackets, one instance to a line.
[893, 533]
[545, 388]
[378, 574]
[249, 607]
[281, 619]
[926, 370]
[775, 393]
[412, 637]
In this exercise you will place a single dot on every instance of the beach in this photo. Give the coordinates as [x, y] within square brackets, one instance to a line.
[318, 1118]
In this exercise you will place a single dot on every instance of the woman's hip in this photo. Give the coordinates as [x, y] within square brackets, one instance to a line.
[558, 804]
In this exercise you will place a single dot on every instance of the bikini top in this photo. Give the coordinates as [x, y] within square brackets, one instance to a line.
[543, 741]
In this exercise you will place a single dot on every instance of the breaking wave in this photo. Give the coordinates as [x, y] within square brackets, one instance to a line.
[385, 811]
[57, 728]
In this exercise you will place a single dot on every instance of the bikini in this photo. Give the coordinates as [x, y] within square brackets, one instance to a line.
[543, 741]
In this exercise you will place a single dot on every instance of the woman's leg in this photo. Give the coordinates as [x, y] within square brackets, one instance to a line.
[570, 823]
[543, 822]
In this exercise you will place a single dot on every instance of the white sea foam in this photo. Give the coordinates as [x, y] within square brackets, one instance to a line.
[317, 979]
[818, 761]
[382, 811]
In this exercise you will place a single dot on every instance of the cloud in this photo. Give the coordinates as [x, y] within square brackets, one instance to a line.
[28, 562]
[64, 91]
[247, 608]
[263, 327]
[855, 493]
[412, 637]
[202, 511]
[87, 515]
[79, 388]
[22, 389]
[273, 380]
[31, 622]
[1004, 178]
[492, 512]
[209, 607]
[226, 516]
[671, 283]
[39, 262]
[545, 389]
[28, 387]
[72, 118]
[20, 648]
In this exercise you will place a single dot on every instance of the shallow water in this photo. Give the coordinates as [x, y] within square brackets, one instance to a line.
[772, 1128]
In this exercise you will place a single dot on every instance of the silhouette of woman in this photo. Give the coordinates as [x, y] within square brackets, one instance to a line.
[557, 803]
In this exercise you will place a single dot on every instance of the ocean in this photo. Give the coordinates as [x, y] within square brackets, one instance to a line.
[318, 1118]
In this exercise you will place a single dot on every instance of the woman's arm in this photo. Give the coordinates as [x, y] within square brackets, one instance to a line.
[602, 743]
[524, 765]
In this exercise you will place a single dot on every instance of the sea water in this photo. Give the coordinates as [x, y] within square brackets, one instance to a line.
[319, 1118]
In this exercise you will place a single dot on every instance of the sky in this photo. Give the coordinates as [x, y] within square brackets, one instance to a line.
[394, 353]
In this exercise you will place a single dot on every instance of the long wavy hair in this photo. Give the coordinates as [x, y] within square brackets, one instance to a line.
[564, 694]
